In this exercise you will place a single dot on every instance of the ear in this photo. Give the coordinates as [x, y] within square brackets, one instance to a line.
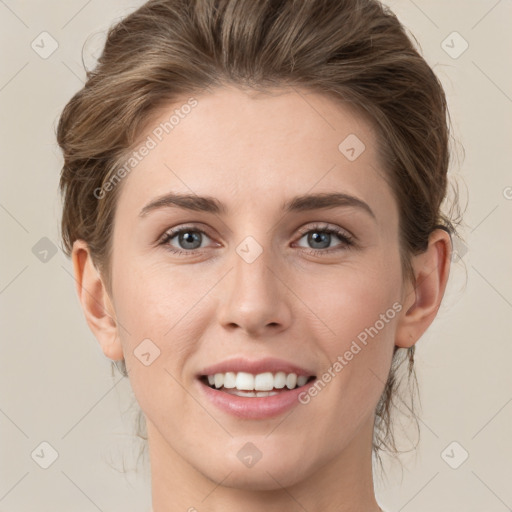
[422, 298]
[96, 304]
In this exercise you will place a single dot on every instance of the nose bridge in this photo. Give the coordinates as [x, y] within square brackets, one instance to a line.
[252, 270]
[254, 299]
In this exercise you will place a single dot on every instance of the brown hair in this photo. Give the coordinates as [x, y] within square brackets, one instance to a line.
[353, 50]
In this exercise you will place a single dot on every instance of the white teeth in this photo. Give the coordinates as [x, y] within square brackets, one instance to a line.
[262, 383]
[291, 380]
[266, 393]
[300, 381]
[244, 381]
[252, 393]
[219, 380]
[280, 380]
[229, 380]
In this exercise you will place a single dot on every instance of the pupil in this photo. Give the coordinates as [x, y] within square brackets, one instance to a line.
[188, 237]
[315, 236]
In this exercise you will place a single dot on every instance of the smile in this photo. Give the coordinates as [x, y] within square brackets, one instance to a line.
[265, 384]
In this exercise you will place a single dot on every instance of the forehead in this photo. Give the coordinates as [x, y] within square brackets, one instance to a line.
[252, 149]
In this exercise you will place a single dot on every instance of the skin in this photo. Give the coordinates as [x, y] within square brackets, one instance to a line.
[253, 151]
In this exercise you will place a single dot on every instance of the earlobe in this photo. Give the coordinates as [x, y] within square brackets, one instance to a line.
[422, 298]
[95, 301]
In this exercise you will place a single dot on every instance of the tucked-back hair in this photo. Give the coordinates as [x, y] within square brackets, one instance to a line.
[355, 51]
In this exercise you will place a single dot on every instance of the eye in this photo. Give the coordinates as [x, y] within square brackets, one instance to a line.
[321, 236]
[188, 238]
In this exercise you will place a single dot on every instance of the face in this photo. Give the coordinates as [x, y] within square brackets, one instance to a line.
[262, 284]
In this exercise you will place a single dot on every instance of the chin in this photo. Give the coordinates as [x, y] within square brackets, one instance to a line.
[273, 471]
[264, 477]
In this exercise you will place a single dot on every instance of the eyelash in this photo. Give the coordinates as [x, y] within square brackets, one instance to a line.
[346, 239]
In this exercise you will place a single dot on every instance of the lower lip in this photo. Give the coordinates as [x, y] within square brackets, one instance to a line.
[254, 407]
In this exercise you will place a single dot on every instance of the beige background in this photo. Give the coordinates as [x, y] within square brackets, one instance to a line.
[55, 383]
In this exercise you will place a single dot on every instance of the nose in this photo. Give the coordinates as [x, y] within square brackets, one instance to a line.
[255, 298]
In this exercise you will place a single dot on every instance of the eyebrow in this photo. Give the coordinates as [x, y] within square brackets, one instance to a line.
[301, 203]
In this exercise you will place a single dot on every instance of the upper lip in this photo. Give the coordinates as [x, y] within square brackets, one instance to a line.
[255, 367]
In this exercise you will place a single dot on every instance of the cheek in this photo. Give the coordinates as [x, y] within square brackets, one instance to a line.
[352, 301]
[360, 307]
[150, 299]
[156, 335]
[165, 307]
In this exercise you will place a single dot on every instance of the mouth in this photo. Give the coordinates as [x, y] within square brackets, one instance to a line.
[259, 385]
[254, 389]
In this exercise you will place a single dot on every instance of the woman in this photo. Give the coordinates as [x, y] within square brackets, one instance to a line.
[252, 204]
